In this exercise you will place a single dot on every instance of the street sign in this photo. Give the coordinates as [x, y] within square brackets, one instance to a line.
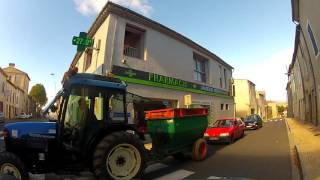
[82, 41]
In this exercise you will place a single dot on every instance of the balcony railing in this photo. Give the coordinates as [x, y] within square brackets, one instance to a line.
[131, 51]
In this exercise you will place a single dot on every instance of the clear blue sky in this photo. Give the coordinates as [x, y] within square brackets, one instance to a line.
[36, 34]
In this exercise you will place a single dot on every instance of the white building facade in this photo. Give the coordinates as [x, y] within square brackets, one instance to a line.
[157, 62]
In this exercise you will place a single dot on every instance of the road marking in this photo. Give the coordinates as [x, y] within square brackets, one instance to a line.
[176, 175]
[235, 178]
[155, 167]
[37, 176]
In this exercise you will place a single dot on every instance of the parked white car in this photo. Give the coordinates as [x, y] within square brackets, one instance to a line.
[22, 116]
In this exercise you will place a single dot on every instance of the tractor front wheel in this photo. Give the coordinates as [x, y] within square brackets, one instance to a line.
[10, 164]
[199, 150]
[120, 155]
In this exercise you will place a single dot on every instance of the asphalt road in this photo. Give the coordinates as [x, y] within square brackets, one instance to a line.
[261, 154]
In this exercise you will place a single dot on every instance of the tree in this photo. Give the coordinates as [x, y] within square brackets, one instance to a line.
[39, 95]
[281, 109]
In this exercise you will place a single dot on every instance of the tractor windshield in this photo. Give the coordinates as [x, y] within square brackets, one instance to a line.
[52, 110]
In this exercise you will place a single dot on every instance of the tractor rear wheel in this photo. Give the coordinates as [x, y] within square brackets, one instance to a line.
[199, 150]
[120, 155]
[10, 164]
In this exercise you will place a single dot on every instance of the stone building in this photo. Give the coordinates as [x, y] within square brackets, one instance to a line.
[303, 87]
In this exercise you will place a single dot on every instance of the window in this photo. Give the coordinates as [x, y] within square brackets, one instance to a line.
[88, 59]
[225, 77]
[133, 42]
[227, 107]
[221, 106]
[313, 40]
[199, 68]
[116, 107]
[220, 73]
[98, 107]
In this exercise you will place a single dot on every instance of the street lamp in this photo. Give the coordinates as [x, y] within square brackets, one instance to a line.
[54, 82]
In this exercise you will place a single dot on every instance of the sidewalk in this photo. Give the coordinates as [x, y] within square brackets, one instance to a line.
[306, 139]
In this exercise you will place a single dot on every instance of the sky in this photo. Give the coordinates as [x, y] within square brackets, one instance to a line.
[255, 37]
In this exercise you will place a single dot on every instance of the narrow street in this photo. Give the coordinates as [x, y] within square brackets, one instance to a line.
[261, 154]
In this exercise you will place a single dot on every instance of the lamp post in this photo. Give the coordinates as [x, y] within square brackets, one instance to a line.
[54, 82]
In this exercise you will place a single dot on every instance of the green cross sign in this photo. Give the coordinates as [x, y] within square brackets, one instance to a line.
[82, 41]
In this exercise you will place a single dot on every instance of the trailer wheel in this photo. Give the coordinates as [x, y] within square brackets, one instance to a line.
[120, 155]
[199, 150]
[10, 164]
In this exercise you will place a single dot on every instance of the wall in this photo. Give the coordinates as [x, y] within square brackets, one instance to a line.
[245, 97]
[161, 55]
[305, 63]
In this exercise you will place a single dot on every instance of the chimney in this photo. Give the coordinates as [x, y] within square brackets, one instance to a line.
[12, 65]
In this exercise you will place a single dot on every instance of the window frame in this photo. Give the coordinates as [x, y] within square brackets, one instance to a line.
[141, 33]
[221, 106]
[199, 71]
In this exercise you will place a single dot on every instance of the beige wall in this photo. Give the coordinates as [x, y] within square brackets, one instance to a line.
[14, 99]
[305, 67]
[245, 97]
[17, 78]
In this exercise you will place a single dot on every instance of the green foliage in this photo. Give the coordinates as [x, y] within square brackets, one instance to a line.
[38, 94]
[281, 109]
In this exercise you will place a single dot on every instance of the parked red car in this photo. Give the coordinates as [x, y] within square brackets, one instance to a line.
[225, 130]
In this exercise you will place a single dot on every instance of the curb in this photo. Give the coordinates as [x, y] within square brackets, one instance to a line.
[297, 171]
[302, 170]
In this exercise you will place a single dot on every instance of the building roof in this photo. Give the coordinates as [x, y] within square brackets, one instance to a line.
[295, 10]
[4, 73]
[133, 16]
[296, 43]
[7, 68]
[245, 80]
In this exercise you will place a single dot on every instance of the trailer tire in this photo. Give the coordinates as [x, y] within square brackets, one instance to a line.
[10, 164]
[120, 155]
[199, 150]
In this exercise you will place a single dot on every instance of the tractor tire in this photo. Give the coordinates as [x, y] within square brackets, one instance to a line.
[199, 150]
[120, 155]
[10, 164]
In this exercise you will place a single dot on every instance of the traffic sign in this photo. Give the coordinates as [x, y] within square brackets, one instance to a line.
[82, 41]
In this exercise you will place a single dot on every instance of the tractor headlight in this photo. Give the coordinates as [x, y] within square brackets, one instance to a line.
[14, 133]
[206, 135]
[224, 134]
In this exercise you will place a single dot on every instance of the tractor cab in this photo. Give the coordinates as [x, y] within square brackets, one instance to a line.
[84, 111]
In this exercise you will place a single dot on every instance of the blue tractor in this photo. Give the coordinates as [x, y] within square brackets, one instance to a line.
[87, 129]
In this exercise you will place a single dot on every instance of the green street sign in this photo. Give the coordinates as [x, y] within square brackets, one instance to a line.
[82, 41]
